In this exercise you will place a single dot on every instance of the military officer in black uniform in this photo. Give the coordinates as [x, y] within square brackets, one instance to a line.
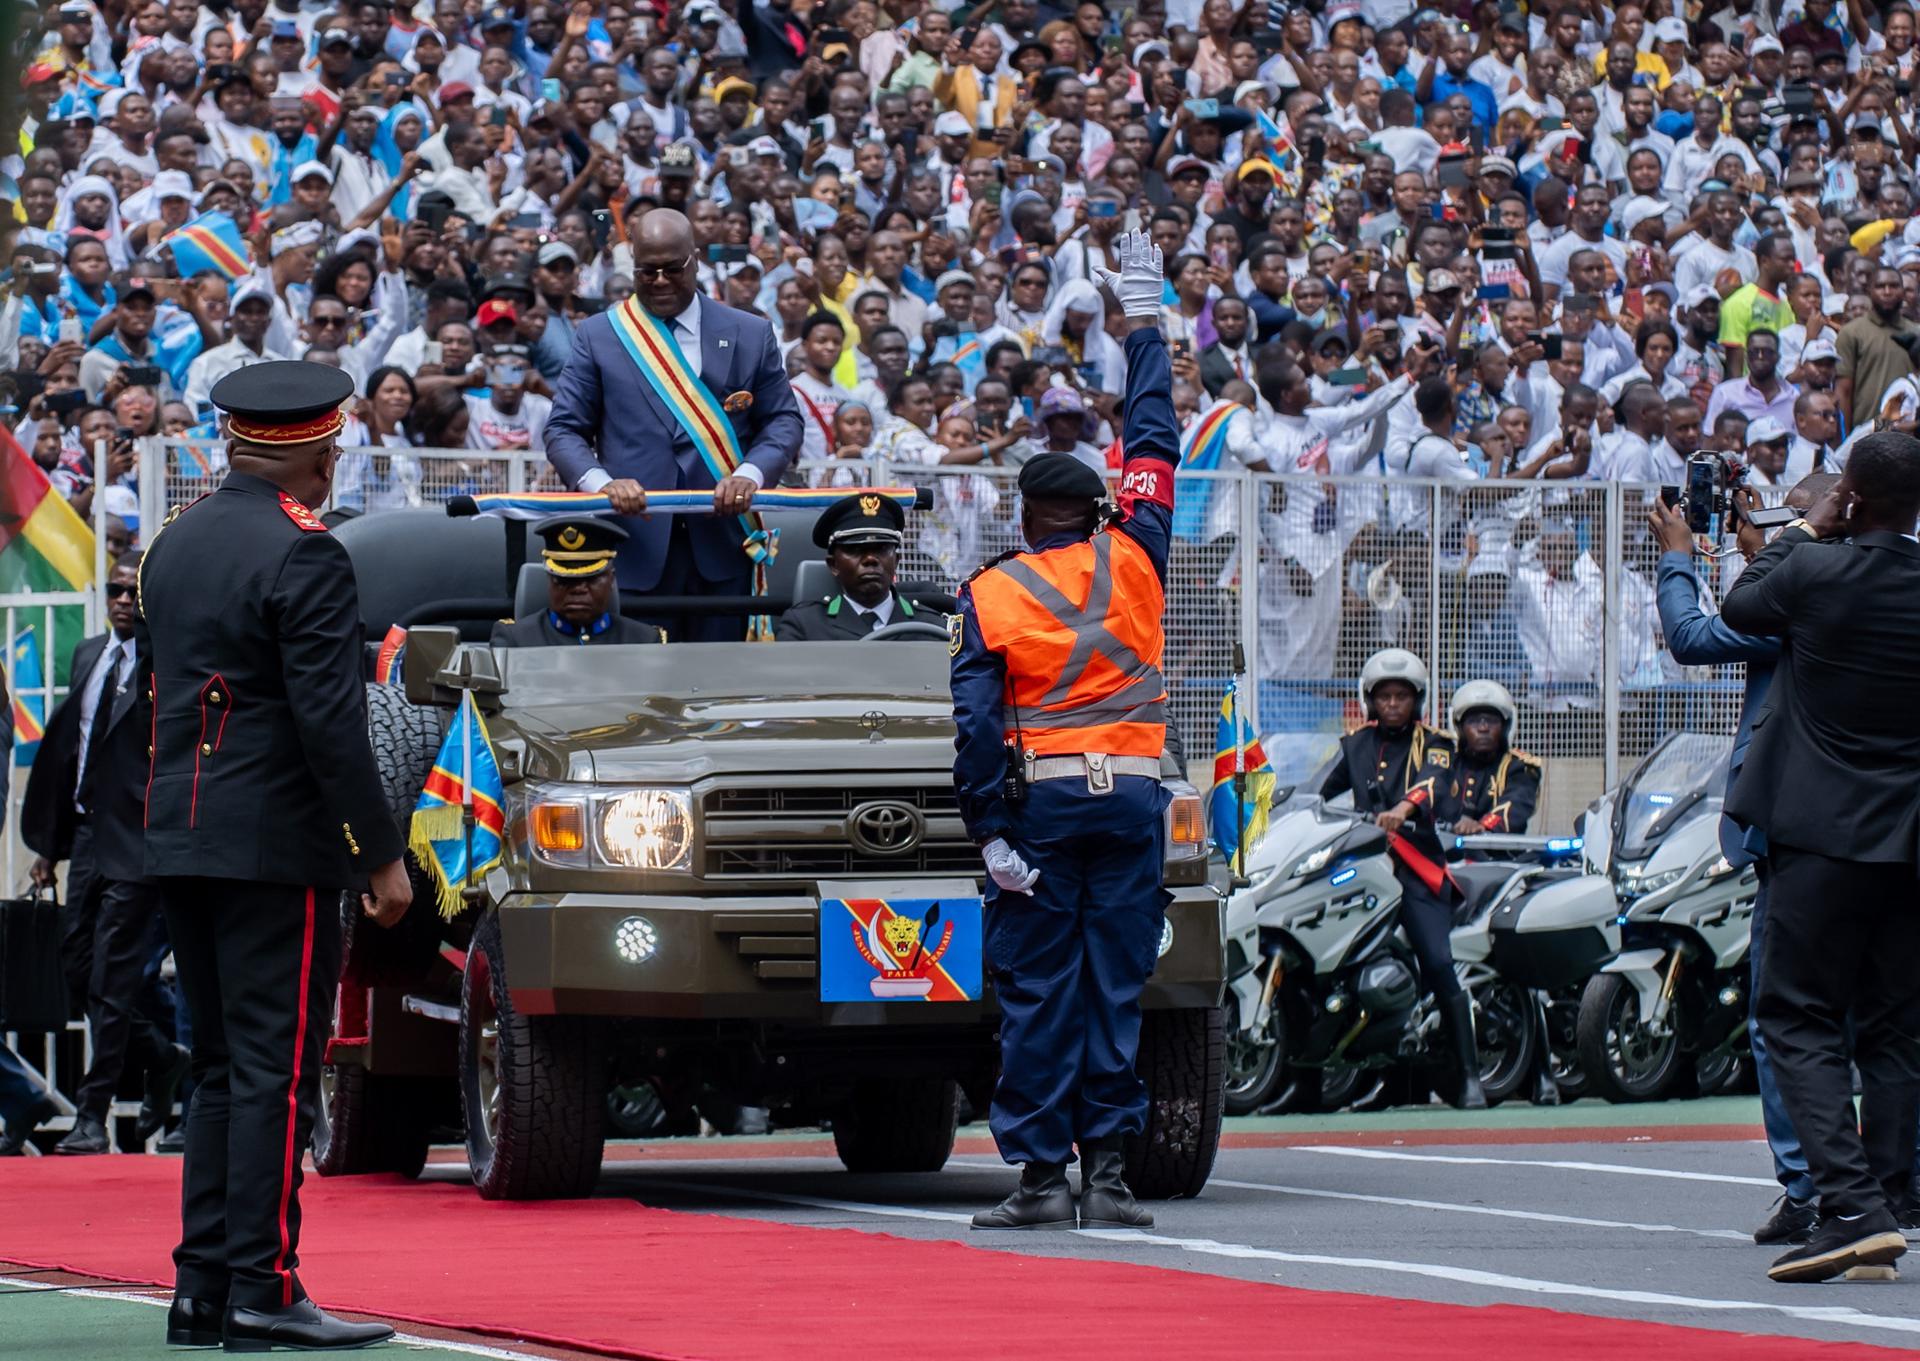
[862, 534]
[1495, 785]
[1401, 775]
[263, 807]
[582, 607]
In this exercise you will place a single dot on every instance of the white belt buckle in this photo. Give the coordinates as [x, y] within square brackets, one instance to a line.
[1099, 778]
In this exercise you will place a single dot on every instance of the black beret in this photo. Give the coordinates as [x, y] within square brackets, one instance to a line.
[861, 518]
[1060, 477]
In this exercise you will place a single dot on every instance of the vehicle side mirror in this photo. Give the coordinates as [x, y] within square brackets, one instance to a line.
[430, 648]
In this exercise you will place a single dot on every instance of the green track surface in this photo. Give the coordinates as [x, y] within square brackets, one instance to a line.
[47, 1325]
[1591, 1114]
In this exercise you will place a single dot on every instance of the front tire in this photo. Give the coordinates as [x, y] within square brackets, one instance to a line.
[1507, 1036]
[1623, 1059]
[1183, 1061]
[905, 1126]
[533, 1088]
[1256, 1063]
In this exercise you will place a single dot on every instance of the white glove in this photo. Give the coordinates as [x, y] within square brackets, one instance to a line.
[1140, 285]
[1007, 869]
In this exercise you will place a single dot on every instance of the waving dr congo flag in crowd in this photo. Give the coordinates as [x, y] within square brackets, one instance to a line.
[44, 546]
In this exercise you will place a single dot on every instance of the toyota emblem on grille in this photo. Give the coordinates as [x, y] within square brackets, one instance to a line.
[885, 827]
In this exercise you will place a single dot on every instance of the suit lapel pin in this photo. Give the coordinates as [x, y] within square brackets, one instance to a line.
[720, 344]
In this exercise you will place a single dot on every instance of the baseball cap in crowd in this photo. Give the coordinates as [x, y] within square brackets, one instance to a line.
[1767, 43]
[455, 89]
[497, 17]
[1256, 165]
[1513, 19]
[1670, 30]
[732, 85]
[1185, 165]
[1699, 293]
[1499, 165]
[253, 288]
[1765, 431]
[1818, 350]
[765, 146]
[307, 170]
[510, 282]
[555, 251]
[136, 286]
[702, 13]
[677, 161]
[1147, 49]
[952, 123]
[495, 310]
[950, 278]
[1640, 208]
[1664, 289]
[336, 37]
[1336, 335]
[1443, 281]
[173, 184]
[1061, 401]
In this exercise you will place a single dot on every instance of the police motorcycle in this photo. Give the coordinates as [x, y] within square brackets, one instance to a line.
[1668, 1015]
[1335, 997]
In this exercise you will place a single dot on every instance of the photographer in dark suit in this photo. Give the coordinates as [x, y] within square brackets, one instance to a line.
[1831, 767]
[85, 802]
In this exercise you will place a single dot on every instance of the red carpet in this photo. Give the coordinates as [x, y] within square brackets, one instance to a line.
[612, 1276]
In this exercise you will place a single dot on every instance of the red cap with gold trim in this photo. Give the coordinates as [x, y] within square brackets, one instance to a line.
[283, 402]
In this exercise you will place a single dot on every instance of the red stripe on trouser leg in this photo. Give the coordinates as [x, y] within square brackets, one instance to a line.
[288, 1167]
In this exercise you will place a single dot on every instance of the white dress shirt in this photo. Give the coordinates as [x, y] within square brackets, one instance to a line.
[118, 653]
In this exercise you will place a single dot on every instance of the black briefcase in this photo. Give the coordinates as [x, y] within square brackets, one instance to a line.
[33, 988]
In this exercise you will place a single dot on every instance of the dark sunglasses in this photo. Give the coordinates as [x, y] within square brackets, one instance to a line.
[116, 589]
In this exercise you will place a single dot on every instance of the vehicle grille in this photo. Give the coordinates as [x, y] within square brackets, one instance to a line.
[754, 831]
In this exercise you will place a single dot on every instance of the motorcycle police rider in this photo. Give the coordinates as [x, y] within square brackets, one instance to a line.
[1401, 773]
[1060, 711]
[1495, 785]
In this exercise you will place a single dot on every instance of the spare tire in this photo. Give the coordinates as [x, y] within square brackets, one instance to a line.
[405, 739]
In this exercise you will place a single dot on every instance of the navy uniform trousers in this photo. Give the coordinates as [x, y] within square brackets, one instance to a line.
[1068, 962]
[258, 964]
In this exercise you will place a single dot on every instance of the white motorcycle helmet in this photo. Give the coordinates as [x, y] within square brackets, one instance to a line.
[1483, 694]
[1393, 663]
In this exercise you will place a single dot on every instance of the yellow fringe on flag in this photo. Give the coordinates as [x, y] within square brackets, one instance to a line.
[429, 825]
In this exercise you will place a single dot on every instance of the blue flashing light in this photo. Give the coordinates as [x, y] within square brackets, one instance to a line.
[1342, 877]
[1564, 845]
[1659, 800]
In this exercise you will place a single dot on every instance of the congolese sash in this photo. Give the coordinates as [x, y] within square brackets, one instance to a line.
[677, 384]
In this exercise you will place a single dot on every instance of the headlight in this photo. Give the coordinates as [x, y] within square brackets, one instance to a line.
[1650, 883]
[647, 829]
[1186, 822]
[1314, 863]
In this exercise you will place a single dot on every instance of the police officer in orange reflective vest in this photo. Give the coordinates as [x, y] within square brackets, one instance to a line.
[1061, 711]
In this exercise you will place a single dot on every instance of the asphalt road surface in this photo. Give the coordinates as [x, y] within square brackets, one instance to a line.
[1648, 1222]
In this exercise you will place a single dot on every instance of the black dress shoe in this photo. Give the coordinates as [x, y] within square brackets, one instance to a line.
[1791, 1222]
[1839, 1245]
[88, 1135]
[1105, 1201]
[173, 1141]
[301, 1327]
[13, 1144]
[1043, 1200]
[163, 1080]
[194, 1323]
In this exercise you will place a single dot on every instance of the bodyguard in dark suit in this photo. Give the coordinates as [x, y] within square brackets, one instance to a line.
[1696, 638]
[1829, 779]
[582, 609]
[631, 413]
[264, 805]
[84, 803]
[862, 535]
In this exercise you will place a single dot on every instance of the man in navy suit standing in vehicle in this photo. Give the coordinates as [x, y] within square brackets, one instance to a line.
[671, 390]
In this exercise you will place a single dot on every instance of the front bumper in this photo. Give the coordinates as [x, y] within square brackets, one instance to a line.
[757, 959]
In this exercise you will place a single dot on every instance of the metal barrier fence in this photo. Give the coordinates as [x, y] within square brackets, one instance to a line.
[1545, 587]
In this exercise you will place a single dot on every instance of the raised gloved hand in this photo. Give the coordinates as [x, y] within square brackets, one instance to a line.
[1007, 869]
[1140, 285]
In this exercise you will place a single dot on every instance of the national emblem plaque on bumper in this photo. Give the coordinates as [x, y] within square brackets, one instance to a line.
[900, 949]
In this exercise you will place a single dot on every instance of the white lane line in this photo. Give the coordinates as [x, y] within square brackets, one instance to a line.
[1616, 1169]
[1538, 1216]
[161, 1301]
[1836, 1315]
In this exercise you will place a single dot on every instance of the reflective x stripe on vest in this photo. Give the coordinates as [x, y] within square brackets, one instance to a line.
[1125, 714]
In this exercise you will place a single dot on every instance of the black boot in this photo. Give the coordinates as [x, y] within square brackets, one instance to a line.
[194, 1323]
[163, 1080]
[302, 1327]
[1043, 1200]
[1456, 1015]
[1105, 1201]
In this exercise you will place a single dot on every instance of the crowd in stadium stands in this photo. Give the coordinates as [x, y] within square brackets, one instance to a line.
[1472, 241]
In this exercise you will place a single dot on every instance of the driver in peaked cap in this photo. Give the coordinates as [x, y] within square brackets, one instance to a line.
[583, 606]
[862, 534]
